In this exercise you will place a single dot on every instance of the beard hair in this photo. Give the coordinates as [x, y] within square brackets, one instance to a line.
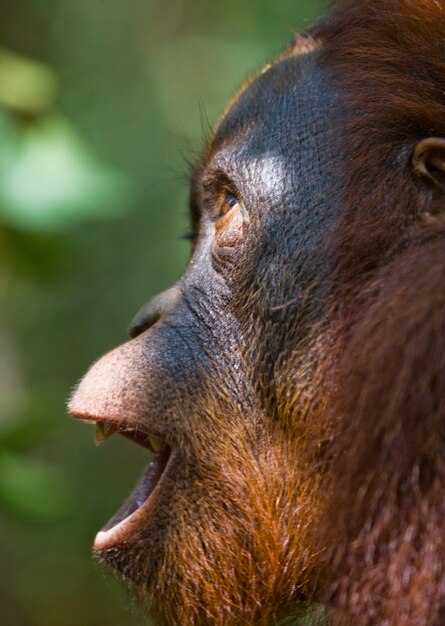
[238, 549]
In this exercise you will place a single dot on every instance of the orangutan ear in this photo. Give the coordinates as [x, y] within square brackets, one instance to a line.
[429, 162]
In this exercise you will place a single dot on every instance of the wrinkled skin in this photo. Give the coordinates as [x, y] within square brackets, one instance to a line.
[207, 369]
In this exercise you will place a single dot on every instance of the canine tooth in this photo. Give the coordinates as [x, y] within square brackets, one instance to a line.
[102, 432]
[156, 444]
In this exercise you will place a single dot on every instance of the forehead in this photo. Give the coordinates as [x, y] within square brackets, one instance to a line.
[282, 113]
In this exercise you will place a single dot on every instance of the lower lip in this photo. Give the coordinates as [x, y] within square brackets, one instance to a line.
[138, 505]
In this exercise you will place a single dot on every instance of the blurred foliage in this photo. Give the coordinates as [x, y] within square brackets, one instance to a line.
[103, 105]
[25, 85]
[48, 178]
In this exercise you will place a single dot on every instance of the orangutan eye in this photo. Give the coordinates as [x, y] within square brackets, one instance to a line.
[229, 203]
[227, 209]
[229, 225]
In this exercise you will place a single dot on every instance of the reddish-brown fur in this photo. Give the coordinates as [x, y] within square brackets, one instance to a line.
[389, 57]
[384, 370]
[385, 409]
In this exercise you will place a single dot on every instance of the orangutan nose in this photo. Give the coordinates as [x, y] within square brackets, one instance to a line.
[153, 310]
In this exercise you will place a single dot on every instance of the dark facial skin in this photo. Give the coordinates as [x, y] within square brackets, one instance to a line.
[205, 371]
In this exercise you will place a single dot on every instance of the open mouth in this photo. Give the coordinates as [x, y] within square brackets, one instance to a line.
[125, 521]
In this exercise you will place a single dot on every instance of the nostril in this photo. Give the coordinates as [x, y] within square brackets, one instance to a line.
[152, 311]
[141, 323]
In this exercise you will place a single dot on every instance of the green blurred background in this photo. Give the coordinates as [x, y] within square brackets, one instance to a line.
[103, 104]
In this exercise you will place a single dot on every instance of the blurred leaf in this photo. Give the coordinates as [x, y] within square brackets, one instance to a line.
[32, 490]
[25, 85]
[50, 179]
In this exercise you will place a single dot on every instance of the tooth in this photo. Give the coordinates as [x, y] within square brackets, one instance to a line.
[103, 432]
[155, 443]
